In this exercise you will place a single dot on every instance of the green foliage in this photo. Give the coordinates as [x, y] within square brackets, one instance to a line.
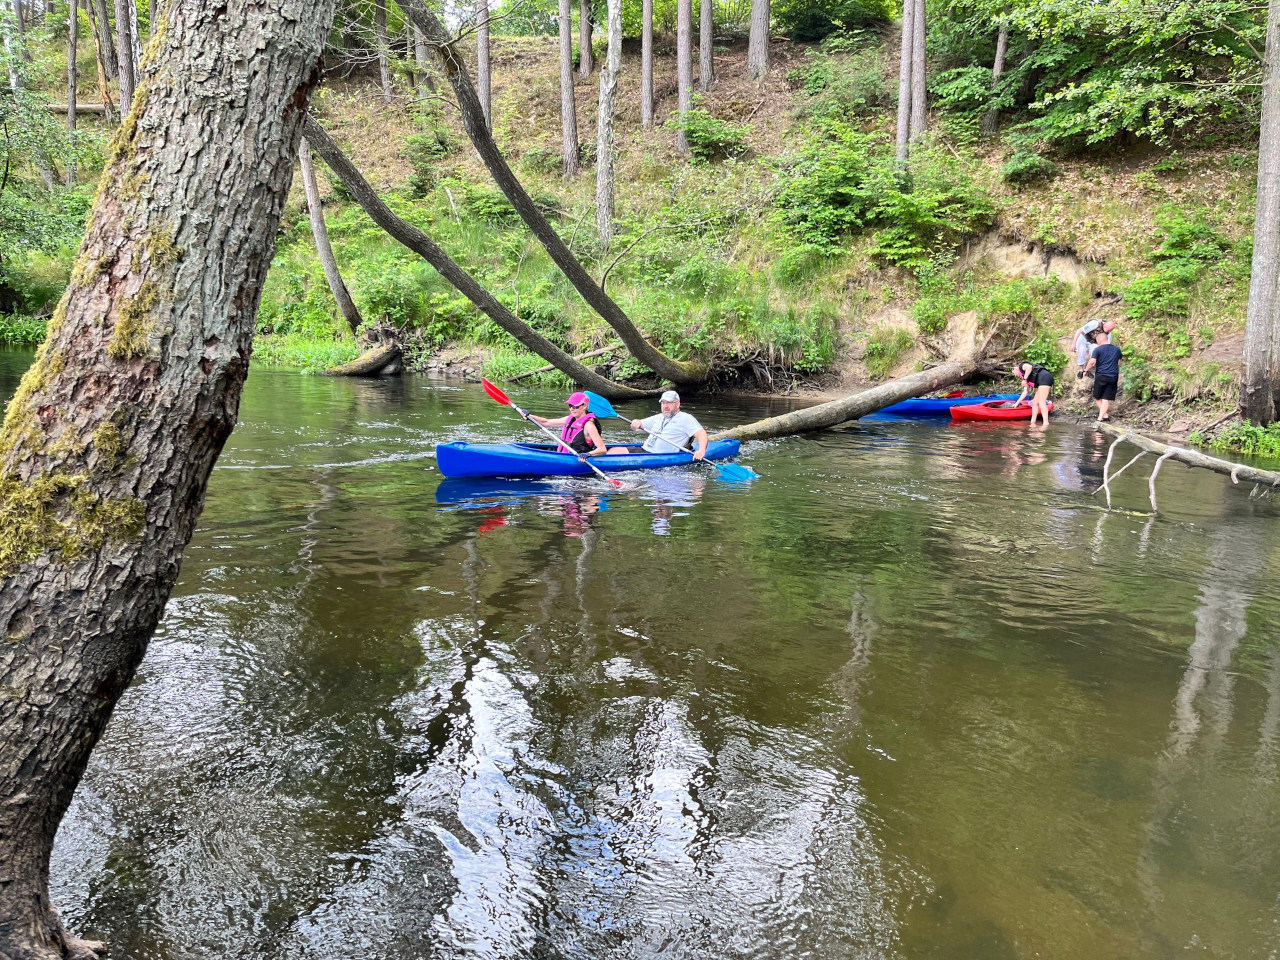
[806, 20]
[710, 138]
[300, 352]
[1249, 439]
[1024, 167]
[1044, 350]
[18, 329]
[1188, 246]
[423, 152]
[541, 160]
[884, 348]
[511, 362]
[841, 86]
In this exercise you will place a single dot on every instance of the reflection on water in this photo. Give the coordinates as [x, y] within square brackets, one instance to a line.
[911, 694]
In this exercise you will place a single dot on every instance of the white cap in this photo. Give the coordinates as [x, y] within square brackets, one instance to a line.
[671, 397]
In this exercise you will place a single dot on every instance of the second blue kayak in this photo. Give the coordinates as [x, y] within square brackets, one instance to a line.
[540, 459]
[935, 406]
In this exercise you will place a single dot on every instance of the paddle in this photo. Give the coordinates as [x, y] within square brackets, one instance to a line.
[733, 472]
[503, 399]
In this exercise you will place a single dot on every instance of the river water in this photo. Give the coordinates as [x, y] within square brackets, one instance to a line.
[912, 694]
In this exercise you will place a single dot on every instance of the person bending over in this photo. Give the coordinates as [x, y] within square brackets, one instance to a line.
[1037, 378]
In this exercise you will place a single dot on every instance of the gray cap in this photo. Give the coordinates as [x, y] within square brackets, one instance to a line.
[671, 397]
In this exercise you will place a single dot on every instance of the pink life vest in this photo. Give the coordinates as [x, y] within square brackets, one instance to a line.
[571, 438]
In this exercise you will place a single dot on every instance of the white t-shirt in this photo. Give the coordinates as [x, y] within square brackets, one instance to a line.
[674, 431]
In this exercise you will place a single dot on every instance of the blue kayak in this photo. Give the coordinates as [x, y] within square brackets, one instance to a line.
[935, 406]
[540, 459]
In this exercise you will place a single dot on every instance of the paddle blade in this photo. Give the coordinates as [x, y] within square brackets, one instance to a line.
[600, 406]
[495, 393]
[735, 472]
[953, 394]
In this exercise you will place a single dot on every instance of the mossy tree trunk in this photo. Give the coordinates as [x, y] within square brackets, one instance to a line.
[568, 109]
[108, 444]
[455, 71]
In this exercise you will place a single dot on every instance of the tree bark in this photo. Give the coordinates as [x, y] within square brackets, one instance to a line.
[73, 34]
[426, 86]
[320, 232]
[919, 73]
[758, 40]
[586, 57]
[484, 81]
[99, 8]
[706, 40]
[1260, 391]
[684, 66]
[417, 241]
[104, 90]
[136, 38]
[568, 111]
[646, 63]
[991, 122]
[124, 48]
[455, 71]
[384, 48]
[604, 125]
[904, 83]
[107, 446]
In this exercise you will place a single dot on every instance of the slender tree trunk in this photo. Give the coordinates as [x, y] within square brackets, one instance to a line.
[684, 65]
[124, 47]
[108, 444]
[417, 241]
[904, 83]
[20, 30]
[73, 33]
[991, 122]
[568, 111]
[586, 57]
[918, 73]
[384, 48]
[484, 81]
[706, 39]
[13, 54]
[426, 85]
[455, 71]
[104, 90]
[1260, 394]
[604, 128]
[136, 38]
[320, 233]
[99, 7]
[758, 40]
[646, 63]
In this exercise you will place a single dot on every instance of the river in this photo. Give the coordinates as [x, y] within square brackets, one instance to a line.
[912, 694]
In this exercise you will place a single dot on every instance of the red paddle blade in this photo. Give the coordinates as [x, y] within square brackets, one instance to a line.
[953, 394]
[495, 393]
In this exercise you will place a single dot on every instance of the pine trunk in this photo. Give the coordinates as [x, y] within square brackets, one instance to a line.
[604, 126]
[320, 233]
[706, 39]
[417, 241]
[99, 7]
[904, 83]
[124, 47]
[73, 34]
[136, 37]
[426, 85]
[104, 90]
[384, 48]
[758, 40]
[991, 122]
[586, 60]
[1260, 394]
[646, 63]
[918, 72]
[107, 446]
[568, 111]
[484, 81]
[684, 66]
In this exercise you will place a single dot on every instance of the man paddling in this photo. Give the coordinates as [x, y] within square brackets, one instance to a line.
[670, 430]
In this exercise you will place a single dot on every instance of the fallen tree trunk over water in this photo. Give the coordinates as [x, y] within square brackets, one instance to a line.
[551, 366]
[383, 360]
[826, 415]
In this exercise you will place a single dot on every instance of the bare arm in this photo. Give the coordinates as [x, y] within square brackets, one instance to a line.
[701, 437]
[598, 448]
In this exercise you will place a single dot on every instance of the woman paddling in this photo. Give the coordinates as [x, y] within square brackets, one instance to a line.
[579, 431]
[1040, 379]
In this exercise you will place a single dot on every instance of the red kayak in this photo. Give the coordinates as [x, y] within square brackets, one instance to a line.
[994, 410]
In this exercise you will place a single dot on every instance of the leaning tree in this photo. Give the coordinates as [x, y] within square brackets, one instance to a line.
[106, 448]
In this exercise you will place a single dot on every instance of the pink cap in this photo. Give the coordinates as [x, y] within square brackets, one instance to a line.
[576, 399]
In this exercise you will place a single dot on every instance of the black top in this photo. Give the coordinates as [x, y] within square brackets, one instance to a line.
[1040, 376]
[1107, 357]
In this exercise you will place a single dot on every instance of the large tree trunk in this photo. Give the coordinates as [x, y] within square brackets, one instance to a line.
[1260, 392]
[992, 120]
[107, 446]
[98, 11]
[417, 241]
[320, 232]
[455, 71]
[706, 39]
[904, 83]
[73, 34]
[646, 63]
[758, 40]
[384, 48]
[568, 111]
[13, 49]
[484, 81]
[604, 125]
[124, 48]
[586, 58]
[919, 74]
[684, 65]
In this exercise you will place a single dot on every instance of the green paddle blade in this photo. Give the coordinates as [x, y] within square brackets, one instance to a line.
[600, 406]
[735, 472]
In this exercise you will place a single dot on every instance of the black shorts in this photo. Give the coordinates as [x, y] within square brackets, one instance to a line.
[1104, 389]
[1044, 379]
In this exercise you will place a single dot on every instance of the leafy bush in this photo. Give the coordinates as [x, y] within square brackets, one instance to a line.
[709, 137]
[540, 160]
[423, 151]
[21, 330]
[806, 20]
[1044, 350]
[1025, 167]
[884, 348]
[1249, 439]
[1188, 246]
[300, 352]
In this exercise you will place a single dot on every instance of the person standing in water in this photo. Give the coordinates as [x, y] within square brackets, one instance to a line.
[1037, 378]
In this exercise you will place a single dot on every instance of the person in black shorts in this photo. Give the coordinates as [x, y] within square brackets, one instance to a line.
[1107, 359]
[1037, 378]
